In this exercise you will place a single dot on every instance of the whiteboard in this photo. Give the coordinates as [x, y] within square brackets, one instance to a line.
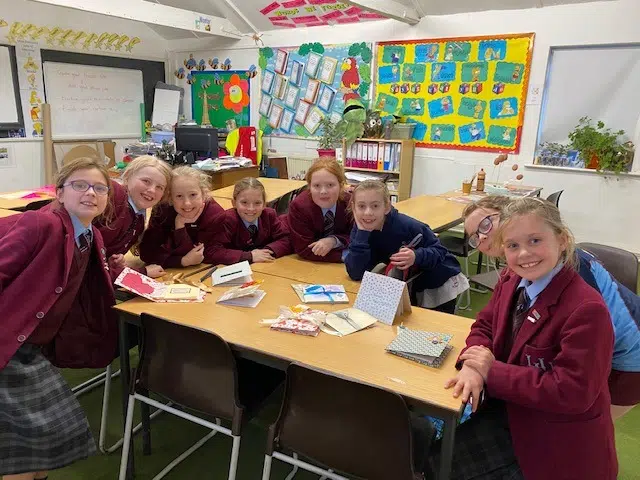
[93, 102]
[8, 106]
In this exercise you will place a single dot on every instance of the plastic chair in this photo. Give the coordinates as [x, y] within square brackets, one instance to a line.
[196, 370]
[621, 264]
[460, 248]
[355, 429]
[555, 197]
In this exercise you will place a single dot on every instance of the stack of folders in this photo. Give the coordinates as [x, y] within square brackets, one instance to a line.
[383, 156]
[428, 348]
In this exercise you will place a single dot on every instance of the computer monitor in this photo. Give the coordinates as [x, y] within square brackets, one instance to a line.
[199, 140]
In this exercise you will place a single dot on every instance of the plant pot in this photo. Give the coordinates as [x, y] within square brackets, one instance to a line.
[327, 152]
[593, 162]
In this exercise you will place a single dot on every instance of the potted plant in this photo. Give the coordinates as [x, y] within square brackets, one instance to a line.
[601, 148]
[329, 138]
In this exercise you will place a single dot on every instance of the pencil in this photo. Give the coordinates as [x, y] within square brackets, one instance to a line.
[204, 277]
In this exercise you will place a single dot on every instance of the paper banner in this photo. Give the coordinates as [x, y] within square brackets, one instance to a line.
[462, 93]
[311, 13]
[31, 86]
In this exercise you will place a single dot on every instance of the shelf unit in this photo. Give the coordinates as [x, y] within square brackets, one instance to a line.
[405, 164]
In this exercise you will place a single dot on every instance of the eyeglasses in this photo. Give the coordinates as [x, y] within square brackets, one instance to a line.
[82, 186]
[484, 227]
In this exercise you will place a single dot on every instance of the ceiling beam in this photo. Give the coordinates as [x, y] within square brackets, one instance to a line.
[389, 9]
[153, 13]
[238, 12]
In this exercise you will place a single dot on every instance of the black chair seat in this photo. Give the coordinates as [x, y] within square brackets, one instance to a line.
[488, 280]
[456, 245]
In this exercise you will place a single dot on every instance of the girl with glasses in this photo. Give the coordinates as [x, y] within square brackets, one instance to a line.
[55, 297]
[482, 221]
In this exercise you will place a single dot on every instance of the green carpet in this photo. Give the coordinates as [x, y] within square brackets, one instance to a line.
[171, 436]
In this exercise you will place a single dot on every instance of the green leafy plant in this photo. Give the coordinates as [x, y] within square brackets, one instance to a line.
[330, 136]
[601, 143]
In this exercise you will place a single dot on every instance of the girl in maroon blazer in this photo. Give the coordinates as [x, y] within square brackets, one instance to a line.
[249, 231]
[145, 184]
[178, 232]
[318, 218]
[540, 352]
[55, 297]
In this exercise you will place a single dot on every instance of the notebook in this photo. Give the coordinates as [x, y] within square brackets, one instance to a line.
[236, 274]
[246, 295]
[428, 348]
[320, 293]
[147, 287]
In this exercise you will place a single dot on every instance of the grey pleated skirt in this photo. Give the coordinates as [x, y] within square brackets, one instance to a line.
[42, 425]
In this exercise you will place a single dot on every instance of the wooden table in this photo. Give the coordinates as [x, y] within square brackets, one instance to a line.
[298, 270]
[229, 176]
[223, 202]
[437, 212]
[7, 213]
[21, 204]
[359, 357]
[514, 191]
[275, 188]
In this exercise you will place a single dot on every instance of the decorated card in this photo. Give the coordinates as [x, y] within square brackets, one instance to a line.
[320, 293]
[236, 274]
[428, 348]
[382, 297]
[349, 321]
[246, 295]
[147, 287]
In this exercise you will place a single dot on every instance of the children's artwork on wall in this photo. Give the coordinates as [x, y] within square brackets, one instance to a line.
[461, 93]
[55, 36]
[220, 96]
[321, 78]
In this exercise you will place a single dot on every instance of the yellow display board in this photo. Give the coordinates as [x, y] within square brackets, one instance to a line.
[461, 93]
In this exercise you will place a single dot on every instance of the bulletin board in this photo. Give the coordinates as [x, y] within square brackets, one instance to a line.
[301, 85]
[218, 96]
[465, 93]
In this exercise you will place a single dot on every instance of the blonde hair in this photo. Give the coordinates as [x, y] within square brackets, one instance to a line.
[247, 183]
[86, 163]
[203, 180]
[547, 212]
[375, 185]
[149, 161]
[331, 165]
[491, 202]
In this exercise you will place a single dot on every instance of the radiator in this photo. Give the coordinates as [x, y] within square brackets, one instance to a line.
[298, 165]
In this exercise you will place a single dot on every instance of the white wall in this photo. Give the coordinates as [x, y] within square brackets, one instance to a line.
[597, 209]
[29, 154]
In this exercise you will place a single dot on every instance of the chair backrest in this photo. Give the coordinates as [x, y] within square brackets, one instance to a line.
[555, 197]
[349, 427]
[621, 264]
[191, 367]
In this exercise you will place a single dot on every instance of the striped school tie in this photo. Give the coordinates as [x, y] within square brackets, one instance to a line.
[84, 241]
[329, 223]
[522, 307]
[253, 232]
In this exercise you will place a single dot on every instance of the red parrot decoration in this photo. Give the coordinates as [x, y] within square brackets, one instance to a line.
[350, 80]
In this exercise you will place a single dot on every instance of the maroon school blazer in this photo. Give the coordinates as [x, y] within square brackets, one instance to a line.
[231, 243]
[125, 228]
[36, 252]
[163, 245]
[554, 380]
[307, 225]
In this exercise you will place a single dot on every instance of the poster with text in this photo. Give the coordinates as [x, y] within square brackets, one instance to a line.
[461, 93]
[299, 86]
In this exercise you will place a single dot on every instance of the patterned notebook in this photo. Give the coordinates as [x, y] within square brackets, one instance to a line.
[428, 348]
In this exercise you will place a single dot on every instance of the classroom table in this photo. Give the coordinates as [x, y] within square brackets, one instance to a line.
[298, 270]
[514, 191]
[274, 187]
[21, 204]
[360, 357]
[437, 212]
[223, 202]
[229, 176]
[7, 213]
